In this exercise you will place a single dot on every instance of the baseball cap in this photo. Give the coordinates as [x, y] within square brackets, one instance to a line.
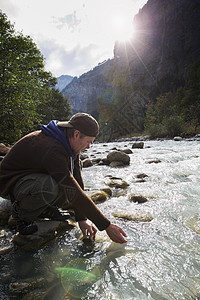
[83, 122]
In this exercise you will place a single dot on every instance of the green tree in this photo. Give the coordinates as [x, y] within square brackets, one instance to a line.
[25, 86]
[188, 97]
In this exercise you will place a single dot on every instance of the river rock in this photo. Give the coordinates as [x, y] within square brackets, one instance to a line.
[116, 164]
[135, 216]
[36, 295]
[47, 231]
[117, 183]
[127, 151]
[118, 156]
[99, 197]
[87, 163]
[138, 199]
[141, 176]
[154, 161]
[121, 193]
[96, 161]
[27, 284]
[5, 210]
[178, 138]
[193, 222]
[83, 156]
[108, 191]
[139, 145]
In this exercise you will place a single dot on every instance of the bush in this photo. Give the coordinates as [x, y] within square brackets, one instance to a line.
[157, 131]
[174, 126]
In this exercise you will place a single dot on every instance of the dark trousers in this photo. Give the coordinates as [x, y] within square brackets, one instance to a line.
[34, 193]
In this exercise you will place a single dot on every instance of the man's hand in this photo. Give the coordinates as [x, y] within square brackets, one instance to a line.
[87, 229]
[116, 234]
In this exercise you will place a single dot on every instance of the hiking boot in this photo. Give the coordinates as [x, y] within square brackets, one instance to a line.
[52, 213]
[23, 227]
[26, 228]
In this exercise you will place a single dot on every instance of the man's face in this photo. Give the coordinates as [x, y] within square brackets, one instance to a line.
[79, 144]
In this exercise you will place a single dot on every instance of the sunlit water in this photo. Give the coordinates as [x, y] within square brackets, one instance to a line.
[161, 259]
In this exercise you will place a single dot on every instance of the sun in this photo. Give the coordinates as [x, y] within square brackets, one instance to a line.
[122, 27]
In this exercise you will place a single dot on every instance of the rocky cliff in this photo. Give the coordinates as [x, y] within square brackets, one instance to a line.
[165, 44]
[84, 91]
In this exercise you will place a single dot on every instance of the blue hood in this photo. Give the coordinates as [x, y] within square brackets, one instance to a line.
[53, 130]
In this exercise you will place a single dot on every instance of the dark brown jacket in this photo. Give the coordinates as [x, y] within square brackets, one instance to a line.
[39, 153]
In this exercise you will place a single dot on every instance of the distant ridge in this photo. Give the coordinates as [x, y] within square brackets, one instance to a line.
[63, 81]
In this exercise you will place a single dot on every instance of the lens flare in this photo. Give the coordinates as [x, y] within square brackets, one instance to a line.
[78, 278]
[75, 274]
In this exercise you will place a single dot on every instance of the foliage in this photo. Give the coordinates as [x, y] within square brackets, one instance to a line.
[188, 97]
[27, 96]
[172, 113]
[121, 110]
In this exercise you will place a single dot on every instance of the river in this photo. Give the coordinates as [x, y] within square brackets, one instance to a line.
[161, 259]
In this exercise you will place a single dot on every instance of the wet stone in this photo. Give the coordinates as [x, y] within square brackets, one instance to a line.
[47, 232]
[154, 161]
[118, 156]
[117, 183]
[137, 198]
[99, 197]
[135, 216]
[139, 145]
[108, 191]
[87, 163]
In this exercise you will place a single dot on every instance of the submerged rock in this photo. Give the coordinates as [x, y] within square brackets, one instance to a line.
[36, 295]
[27, 285]
[47, 231]
[135, 216]
[154, 161]
[137, 198]
[117, 183]
[139, 145]
[127, 151]
[141, 175]
[192, 222]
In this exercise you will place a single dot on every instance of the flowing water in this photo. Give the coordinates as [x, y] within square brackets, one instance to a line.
[161, 259]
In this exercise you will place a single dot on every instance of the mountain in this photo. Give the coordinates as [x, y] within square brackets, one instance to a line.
[84, 91]
[165, 45]
[63, 81]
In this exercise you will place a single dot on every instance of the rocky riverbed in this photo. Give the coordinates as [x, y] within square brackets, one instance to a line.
[150, 188]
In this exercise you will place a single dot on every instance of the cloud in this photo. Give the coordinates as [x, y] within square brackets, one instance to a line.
[70, 20]
[73, 36]
[71, 62]
[9, 7]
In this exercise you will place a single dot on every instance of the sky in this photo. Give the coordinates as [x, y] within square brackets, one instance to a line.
[74, 36]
